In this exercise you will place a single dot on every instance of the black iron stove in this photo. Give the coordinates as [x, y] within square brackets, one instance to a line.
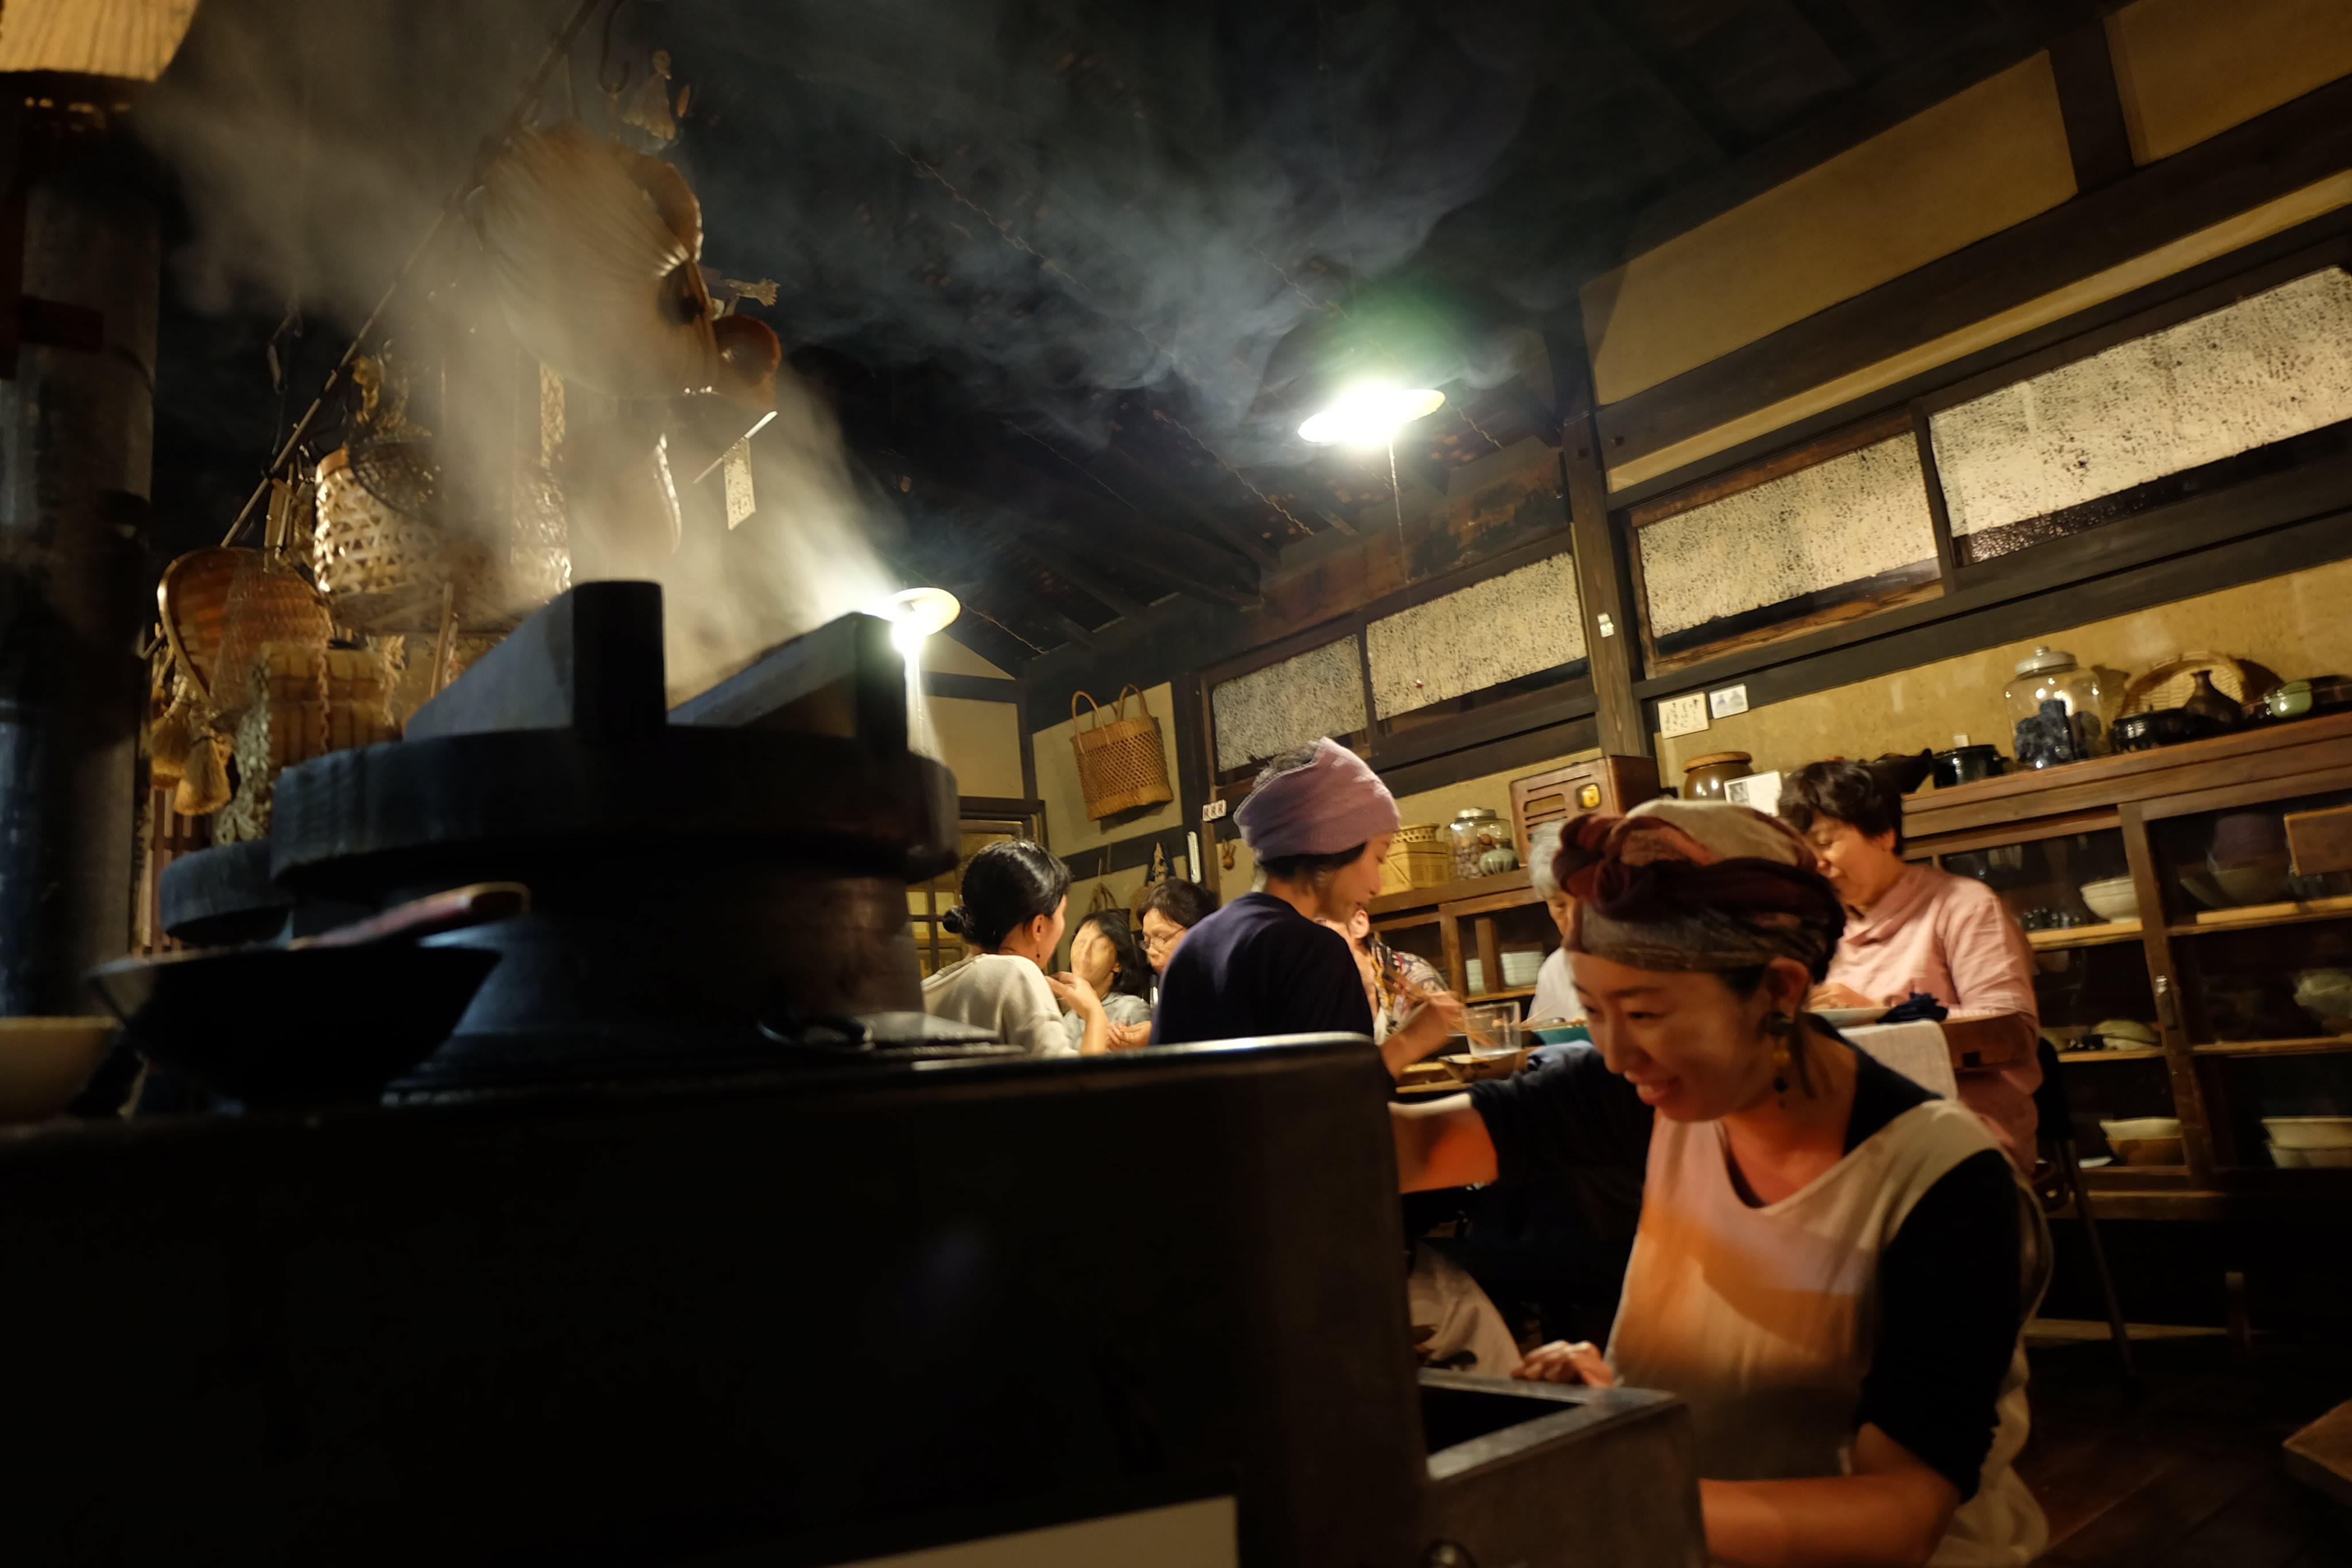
[701, 1281]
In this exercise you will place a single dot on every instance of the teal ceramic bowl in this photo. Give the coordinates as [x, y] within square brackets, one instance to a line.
[1563, 1034]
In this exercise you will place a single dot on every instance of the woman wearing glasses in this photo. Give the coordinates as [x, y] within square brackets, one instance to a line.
[1169, 910]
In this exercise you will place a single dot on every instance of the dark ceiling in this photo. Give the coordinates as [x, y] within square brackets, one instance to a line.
[1038, 254]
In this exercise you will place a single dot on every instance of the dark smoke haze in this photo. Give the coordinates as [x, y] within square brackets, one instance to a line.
[1053, 202]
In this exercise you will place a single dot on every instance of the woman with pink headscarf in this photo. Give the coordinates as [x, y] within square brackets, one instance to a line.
[1320, 823]
[1834, 1266]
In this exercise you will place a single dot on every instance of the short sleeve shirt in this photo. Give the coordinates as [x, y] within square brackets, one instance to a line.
[1257, 967]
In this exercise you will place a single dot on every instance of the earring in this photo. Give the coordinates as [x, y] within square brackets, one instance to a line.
[1780, 1026]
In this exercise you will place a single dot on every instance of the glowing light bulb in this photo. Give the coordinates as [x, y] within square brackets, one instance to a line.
[1369, 413]
[914, 614]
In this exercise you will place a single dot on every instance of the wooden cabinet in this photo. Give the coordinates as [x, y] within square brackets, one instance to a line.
[1469, 930]
[1615, 784]
[2200, 923]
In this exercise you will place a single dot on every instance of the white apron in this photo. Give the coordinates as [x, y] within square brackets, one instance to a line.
[1764, 1319]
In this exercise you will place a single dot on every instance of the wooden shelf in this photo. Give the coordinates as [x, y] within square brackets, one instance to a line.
[2311, 1045]
[2124, 1053]
[1415, 899]
[1509, 994]
[2252, 916]
[2086, 935]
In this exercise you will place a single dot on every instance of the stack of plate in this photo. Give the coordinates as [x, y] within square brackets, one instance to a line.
[2296, 1142]
[1519, 969]
[1474, 974]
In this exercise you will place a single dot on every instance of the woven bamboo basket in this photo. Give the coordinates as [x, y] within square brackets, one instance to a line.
[1120, 764]
[192, 602]
[381, 567]
[269, 602]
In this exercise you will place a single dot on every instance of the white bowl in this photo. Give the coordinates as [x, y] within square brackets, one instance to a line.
[2289, 1159]
[2142, 1127]
[44, 1063]
[2341, 1158]
[2309, 1132]
[2113, 899]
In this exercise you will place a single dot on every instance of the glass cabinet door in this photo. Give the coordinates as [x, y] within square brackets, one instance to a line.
[2073, 883]
[2072, 895]
[2261, 952]
[1507, 946]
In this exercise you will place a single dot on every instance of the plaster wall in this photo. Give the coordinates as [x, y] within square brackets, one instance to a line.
[981, 742]
[2188, 70]
[1989, 156]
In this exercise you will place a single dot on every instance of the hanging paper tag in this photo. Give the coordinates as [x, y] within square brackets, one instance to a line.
[737, 463]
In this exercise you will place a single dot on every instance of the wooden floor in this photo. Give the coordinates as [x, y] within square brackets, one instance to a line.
[2183, 1472]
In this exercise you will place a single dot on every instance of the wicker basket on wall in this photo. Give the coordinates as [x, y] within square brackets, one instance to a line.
[1120, 764]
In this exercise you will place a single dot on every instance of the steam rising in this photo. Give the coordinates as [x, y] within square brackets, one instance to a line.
[1050, 203]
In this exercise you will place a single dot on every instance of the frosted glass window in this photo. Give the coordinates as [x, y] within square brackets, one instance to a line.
[1289, 705]
[2246, 375]
[1819, 528]
[1480, 636]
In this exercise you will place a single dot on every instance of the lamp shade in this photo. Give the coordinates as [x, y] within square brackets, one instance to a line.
[1357, 373]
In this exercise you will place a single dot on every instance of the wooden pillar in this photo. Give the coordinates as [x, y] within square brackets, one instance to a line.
[76, 436]
[1602, 582]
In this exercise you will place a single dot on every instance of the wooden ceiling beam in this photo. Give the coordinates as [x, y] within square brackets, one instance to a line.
[1113, 532]
[1210, 520]
[1841, 32]
[1670, 77]
[1004, 528]
[1082, 577]
[1082, 635]
[1110, 548]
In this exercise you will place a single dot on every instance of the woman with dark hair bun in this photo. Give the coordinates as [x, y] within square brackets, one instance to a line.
[1016, 898]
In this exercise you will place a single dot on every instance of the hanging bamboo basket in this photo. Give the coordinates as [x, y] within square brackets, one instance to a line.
[1120, 764]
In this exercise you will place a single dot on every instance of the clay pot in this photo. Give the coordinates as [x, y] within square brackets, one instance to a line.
[1705, 777]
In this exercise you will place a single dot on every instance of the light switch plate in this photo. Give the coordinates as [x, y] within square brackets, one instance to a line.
[1730, 700]
[1682, 715]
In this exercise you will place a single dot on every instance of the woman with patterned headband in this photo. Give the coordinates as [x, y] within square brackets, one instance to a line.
[1834, 1266]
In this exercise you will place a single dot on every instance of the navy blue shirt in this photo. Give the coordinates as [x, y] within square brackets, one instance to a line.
[1257, 967]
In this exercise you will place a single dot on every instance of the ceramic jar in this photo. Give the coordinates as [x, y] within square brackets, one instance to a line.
[1705, 777]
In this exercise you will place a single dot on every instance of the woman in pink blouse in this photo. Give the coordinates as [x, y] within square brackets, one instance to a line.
[1910, 927]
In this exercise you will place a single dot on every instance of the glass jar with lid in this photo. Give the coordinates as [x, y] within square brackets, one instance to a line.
[1471, 833]
[2054, 710]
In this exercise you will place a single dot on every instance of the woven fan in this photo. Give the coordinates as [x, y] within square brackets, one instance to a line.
[399, 472]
